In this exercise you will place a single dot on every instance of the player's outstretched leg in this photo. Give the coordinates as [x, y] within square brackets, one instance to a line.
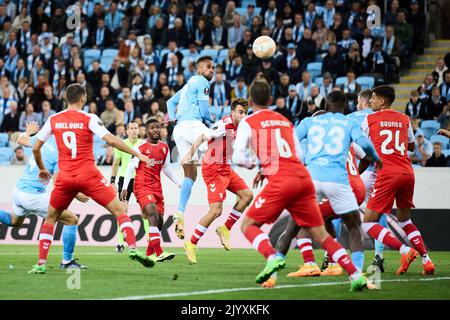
[190, 174]
[414, 236]
[378, 260]
[357, 281]
[260, 241]
[120, 241]
[333, 227]
[69, 238]
[309, 267]
[376, 231]
[353, 223]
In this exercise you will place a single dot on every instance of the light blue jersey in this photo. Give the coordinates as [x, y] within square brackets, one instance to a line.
[329, 137]
[360, 115]
[29, 181]
[193, 93]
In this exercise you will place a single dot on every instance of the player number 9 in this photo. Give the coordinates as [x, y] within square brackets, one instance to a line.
[70, 141]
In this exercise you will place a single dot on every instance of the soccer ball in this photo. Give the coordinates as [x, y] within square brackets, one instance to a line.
[264, 47]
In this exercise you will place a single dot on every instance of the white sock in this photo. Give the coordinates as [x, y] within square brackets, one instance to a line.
[271, 257]
[425, 258]
[310, 264]
[65, 261]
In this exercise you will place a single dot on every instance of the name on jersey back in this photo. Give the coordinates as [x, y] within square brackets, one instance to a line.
[275, 123]
[71, 125]
[391, 124]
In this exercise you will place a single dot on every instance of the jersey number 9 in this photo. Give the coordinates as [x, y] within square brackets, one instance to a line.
[70, 141]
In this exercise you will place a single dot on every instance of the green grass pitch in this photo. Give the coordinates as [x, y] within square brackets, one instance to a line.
[223, 275]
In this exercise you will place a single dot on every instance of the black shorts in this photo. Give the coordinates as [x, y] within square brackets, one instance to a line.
[130, 187]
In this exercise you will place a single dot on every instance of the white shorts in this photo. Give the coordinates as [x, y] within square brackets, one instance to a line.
[25, 204]
[368, 177]
[184, 135]
[341, 196]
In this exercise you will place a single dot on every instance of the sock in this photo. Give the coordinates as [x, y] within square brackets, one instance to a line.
[425, 258]
[185, 193]
[337, 227]
[414, 236]
[127, 229]
[339, 255]
[150, 249]
[379, 247]
[5, 218]
[198, 233]
[146, 226]
[260, 241]
[232, 218]
[45, 241]
[155, 240]
[306, 249]
[358, 259]
[120, 240]
[69, 238]
[383, 235]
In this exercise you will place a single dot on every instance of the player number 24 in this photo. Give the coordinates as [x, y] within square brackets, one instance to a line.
[399, 147]
[70, 141]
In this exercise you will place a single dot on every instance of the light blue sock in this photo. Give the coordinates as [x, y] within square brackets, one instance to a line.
[337, 226]
[358, 259]
[379, 247]
[69, 237]
[5, 218]
[185, 193]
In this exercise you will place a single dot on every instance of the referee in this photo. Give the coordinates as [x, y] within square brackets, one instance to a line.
[122, 159]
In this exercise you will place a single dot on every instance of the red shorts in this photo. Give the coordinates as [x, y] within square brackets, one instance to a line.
[146, 197]
[91, 183]
[389, 187]
[217, 185]
[295, 194]
[358, 189]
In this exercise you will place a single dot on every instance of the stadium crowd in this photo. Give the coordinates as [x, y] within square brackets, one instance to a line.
[133, 55]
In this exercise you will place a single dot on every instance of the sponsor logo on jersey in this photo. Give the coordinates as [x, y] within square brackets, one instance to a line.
[259, 202]
[206, 91]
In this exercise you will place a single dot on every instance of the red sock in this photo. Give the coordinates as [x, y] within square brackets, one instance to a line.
[414, 236]
[150, 249]
[338, 253]
[198, 233]
[45, 241]
[383, 235]
[260, 241]
[127, 229]
[155, 240]
[306, 249]
[232, 218]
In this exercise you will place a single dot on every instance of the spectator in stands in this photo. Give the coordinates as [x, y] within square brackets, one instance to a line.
[351, 90]
[391, 15]
[304, 88]
[282, 89]
[47, 111]
[240, 90]
[107, 158]
[58, 22]
[306, 50]
[172, 70]
[438, 159]
[130, 112]
[153, 110]
[445, 86]
[10, 122]
[235, 32]
[391, 44]
[242, 45]
[218, 34]
[327, 86]
[109, 116]
[404, 31]
[316, 100]
[19, 157]
[250, 63]
[142, 131]
[354, 61]
[81, 80]
[377, 62]
[190, 71]
[93, 108]
[333, 62]
[220, 92]
[278, 31]
[295, 104]
[286, 39]
[417, 20]
[328, 13]
[366, 43]
[425, 88]
[438, 73]
[121, 131]
[295, 72]
[27, 116]
[178, 33]
[102, 37]
[235, 70]
[159, 34]
[230, 12]
[433, 106]
[298, 28]
[338, 27]
[281, 108]
[5, 102]
[423, 150]
[270, 15]
[414, 106]
[320, 33]
[346, 42]
[113, 19]
[444, 117]
[94, 77]
[269, 72]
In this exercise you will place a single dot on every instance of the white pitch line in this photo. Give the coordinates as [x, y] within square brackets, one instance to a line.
[184, 294]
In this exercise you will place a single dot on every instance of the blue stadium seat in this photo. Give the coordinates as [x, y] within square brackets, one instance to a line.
[443, 140]
[106, 63]
[111, 53]
[340, 81]
[318, 81]
[315, 69]
[90, 55]
[6, 153]
[245, 3]
[241, 11]
[429, 127]
[184, 52]
[365, 82]
[209, 52]
[4, 140]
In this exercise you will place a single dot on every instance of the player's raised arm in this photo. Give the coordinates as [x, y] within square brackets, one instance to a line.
[42, 137]
[25, 138]
[169, 173]
[172, 105]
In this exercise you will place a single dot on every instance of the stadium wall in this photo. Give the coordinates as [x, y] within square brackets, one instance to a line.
[97, 226]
